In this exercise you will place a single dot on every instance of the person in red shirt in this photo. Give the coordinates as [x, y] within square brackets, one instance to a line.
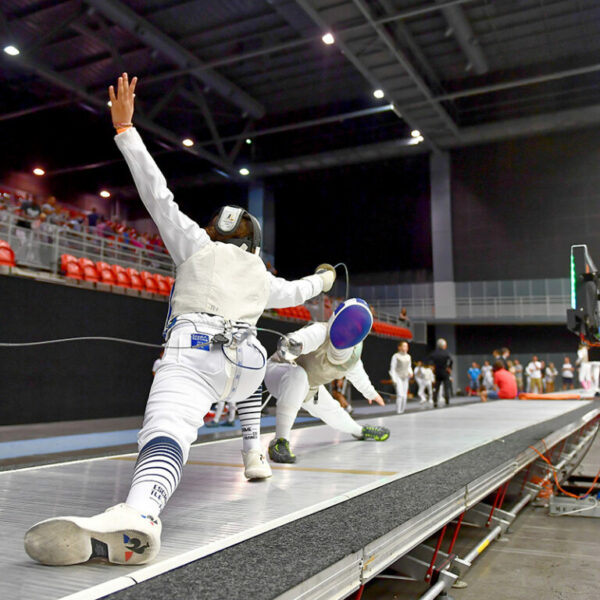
[505, 384]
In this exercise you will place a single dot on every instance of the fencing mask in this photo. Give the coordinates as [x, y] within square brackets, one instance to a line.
[348, 326]
[230, 220]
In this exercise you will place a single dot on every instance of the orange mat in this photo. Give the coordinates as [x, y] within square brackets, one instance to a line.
[572, 396]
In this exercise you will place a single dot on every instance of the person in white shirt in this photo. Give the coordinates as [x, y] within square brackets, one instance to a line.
[567, 374]
[420, 379]
[487, 376]
[212, 353]
[311, 358]
[534, 372]
[401, 372]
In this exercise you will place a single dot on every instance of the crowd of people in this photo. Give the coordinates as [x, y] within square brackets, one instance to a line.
[536, 376]
[47, 214]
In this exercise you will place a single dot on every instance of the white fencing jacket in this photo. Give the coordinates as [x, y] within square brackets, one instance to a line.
[212, 277]
[320, 370]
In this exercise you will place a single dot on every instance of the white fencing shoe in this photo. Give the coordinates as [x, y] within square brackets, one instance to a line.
[256, 465]
[120, 535]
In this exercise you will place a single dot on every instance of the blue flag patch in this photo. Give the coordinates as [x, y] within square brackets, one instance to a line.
[200, 341]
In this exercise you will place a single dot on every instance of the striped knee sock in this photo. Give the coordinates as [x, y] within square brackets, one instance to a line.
[156, 475]
[249, 414]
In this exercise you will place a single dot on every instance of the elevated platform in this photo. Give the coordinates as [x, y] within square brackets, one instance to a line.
[304, 533]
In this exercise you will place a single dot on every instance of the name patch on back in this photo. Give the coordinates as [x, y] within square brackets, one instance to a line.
[200, 341]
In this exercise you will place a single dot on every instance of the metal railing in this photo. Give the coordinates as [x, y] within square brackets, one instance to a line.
[550, 307]
[39, 245]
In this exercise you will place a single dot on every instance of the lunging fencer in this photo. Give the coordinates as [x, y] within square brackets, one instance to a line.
[312, 357]
[211, 354]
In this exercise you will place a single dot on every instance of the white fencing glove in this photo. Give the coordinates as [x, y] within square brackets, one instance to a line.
[288, 349]
[327, 273]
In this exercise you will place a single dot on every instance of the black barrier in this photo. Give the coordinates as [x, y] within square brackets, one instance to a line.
[95, 379]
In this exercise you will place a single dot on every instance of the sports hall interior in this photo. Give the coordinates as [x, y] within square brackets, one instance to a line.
[442, 154]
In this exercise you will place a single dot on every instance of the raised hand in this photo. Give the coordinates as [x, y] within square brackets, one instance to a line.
[121, 107]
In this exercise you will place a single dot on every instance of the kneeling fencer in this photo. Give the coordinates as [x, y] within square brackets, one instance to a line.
[211, 354]
[321, 352]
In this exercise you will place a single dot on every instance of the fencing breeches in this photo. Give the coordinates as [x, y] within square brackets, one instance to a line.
[401, 384]
[188, 381]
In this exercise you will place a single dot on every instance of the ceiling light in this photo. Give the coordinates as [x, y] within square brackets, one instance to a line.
[415, 133]
[109, 103]
[39, 171]
[244, 171]
[12, 50]
[378, 94]
[248, 141]
[105, 194]
[188, 143]
[328, 39]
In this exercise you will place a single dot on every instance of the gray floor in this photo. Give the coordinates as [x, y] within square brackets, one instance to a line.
[551, 558]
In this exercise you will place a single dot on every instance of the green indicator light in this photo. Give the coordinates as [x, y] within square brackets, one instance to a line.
[573, 282]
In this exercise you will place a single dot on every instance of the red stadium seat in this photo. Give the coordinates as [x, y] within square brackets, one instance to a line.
[90, 273]
[106, 276]
[101, 265]
[7, 256]
[73, 270]
[86, 262]
[64, 260]
[149, 282]
[122, 279]
[118, 269]
[4, 244]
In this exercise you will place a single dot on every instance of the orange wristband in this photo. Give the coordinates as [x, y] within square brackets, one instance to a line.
[122, 129]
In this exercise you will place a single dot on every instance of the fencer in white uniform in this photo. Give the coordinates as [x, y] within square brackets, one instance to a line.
[211, 354]
[309, 359]
[401, 372]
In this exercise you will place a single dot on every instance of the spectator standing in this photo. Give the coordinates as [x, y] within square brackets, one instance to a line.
[403, 317]
[583, 362]
[93, 217]
[567, 374]
[474, 374]
[401, 372]
[550, 377]
[442, 365]
[534, 372]
[487, 376]
[518, 372]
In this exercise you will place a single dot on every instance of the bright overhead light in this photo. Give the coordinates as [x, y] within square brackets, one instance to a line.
[415, 133]
[244, 171]
[248, 141]
[378, 94]
[109, 103]
[12, 50]
[328, 39]
[39, 171]
[188, 143]
[105, 194]
[416, 140]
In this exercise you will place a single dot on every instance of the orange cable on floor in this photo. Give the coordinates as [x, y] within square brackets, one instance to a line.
[556, 479]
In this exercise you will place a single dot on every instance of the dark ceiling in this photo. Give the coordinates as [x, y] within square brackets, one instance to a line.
[461, 72]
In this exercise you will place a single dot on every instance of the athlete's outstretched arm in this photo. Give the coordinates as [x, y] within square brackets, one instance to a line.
[182, 236]
[358, 377]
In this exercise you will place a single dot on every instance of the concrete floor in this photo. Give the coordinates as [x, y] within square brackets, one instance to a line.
[550, 558]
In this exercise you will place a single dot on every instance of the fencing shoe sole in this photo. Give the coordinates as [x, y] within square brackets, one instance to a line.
[121, 535]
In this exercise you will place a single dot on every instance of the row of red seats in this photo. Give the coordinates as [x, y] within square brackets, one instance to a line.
[296, 312]
[7, 256]
[101, 272]
[392, 330]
